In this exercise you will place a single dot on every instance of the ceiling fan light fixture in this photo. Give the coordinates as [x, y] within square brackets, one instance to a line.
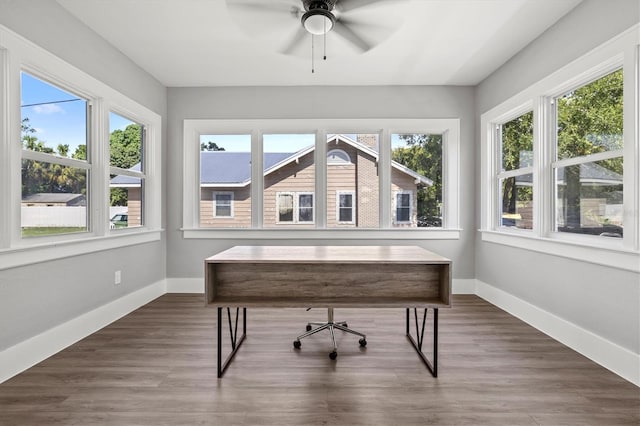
[318, 21]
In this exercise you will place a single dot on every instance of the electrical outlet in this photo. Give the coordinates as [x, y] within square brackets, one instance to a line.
[118, 278]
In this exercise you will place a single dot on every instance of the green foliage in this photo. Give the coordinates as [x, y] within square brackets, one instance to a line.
[210, 146]
[423, 154]
[517, 152]
[125, 146]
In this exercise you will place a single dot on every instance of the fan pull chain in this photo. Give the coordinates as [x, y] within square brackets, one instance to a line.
[312, 61]
[325, 40]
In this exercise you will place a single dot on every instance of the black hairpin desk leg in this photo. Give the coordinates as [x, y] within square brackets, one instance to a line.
[233, 332]
[417, 342]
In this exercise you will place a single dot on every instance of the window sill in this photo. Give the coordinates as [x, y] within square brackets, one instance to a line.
[27, 255]
[611, 255]
[322, 234]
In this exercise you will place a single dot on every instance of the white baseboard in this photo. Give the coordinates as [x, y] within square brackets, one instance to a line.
[185, 285]
[613, 357]
[30, 352]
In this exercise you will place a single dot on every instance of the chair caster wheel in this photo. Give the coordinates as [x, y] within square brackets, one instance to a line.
[363, 342]
[297, 344]
[333, 355]
[308, 327]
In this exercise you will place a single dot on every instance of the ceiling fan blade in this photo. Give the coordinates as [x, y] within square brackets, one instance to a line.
[257, 6]
[348, 5]
[347, 33]
[296, 40]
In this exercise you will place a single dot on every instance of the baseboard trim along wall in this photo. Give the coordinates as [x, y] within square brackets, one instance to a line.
[611, 356]
[30, 352]
[26, 354]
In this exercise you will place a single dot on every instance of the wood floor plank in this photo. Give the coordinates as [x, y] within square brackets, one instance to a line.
[157, 366]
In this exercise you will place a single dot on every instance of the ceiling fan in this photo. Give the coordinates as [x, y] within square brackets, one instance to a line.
[360, 24]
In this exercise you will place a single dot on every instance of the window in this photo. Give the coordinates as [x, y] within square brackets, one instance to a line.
[289, 178]
[588, 169]
[223, 204]
[352, 165]
[57, 174]
[417, 167]
[295, 168]
[515, 176]
[126, 187]
[345, 212]
[294, 207]
[55, 167]
[560, 161]
[338, 156]
[403, 208]
[224, 184]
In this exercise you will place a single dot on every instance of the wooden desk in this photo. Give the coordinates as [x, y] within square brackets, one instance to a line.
[327, 276]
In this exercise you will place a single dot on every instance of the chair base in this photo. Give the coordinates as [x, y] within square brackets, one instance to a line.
[331, 326]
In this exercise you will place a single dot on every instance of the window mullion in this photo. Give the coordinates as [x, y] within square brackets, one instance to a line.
[257, 179]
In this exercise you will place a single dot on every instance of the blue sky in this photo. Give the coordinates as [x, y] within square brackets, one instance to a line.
[59, 117]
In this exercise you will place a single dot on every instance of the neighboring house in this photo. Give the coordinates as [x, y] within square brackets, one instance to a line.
[289, 187]
[49, 199]
[134, 190]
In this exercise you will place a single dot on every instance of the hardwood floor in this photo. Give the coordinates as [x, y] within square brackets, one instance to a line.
[157, 366]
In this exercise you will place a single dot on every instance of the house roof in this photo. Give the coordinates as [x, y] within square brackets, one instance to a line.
[590, 174]
[52, 197]
[227, 169]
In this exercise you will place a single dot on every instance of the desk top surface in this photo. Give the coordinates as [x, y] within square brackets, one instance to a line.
[327, 254]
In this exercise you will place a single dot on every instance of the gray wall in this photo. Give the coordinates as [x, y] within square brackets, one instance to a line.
[37, 297]
[602, 300]
[184, 257]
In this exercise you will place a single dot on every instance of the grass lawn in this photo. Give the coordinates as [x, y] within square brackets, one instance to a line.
[39, 232]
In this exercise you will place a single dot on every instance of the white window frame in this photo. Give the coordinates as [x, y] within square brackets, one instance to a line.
[501, 174]
[17, 55]
[215, 204]
[139, 174]
[353, 207]
[623, 253]
[395, 207]
[341, 154]
[296, 208]
[448, 128]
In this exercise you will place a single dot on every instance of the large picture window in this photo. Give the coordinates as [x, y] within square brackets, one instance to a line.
[560, 162]
[328, 181]
[81, 164]
[588, 169]
[55, 166]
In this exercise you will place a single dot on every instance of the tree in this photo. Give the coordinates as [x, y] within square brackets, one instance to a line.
[589, 121]
[125, 152]
[210, 146]
[423, 154]
[517, 144]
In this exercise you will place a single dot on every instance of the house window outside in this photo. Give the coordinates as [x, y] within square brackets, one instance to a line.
[337, 156]
[294, 207]
[127, 172]
[223, 204]
[55, 165]
[289, 179]
[515, 176]
[588, 166]
[403, 208]
[225, 180]
[416, 167]
[345, 212]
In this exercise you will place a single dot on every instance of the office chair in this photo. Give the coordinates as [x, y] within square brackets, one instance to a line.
[331, 325]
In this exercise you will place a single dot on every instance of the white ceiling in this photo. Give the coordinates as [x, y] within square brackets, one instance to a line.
[417, 42]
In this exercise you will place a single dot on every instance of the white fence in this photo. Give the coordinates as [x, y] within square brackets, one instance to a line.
[53, 216]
